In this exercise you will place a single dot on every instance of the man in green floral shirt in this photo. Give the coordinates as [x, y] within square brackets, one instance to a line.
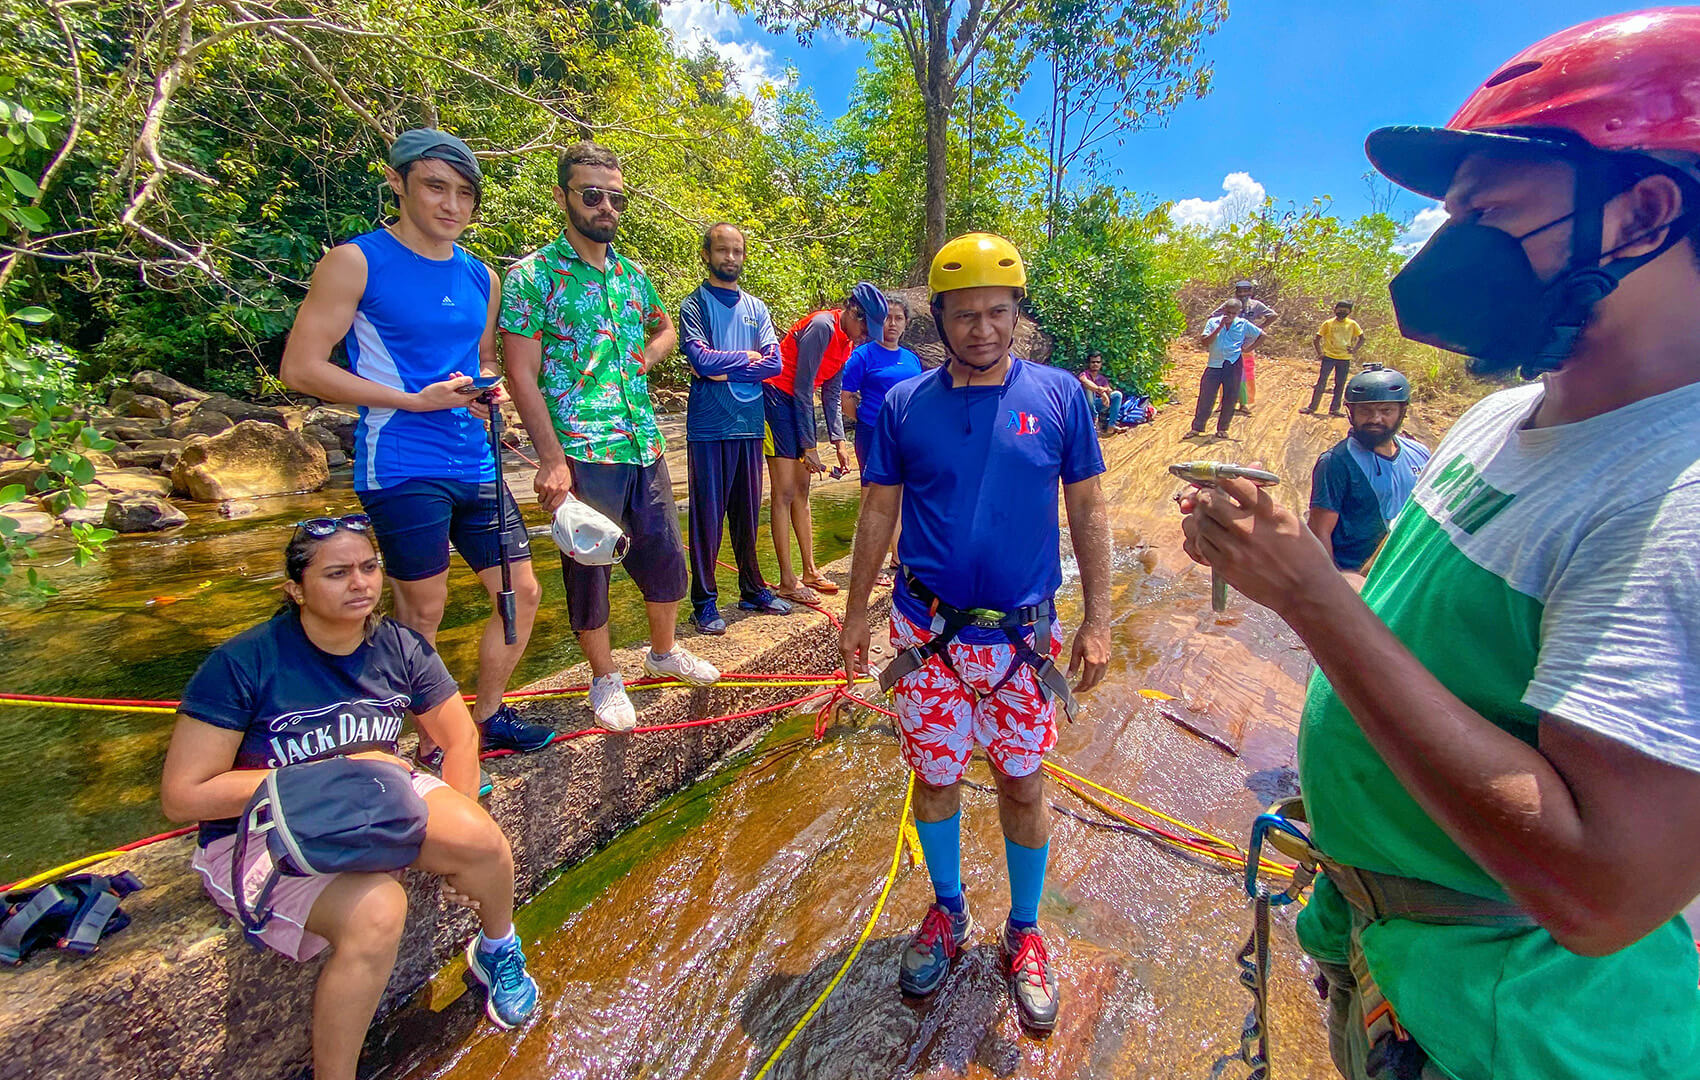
[581, 327]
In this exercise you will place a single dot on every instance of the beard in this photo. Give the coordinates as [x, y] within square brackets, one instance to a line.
[1371, 436]
[728, 271]
[600, 231]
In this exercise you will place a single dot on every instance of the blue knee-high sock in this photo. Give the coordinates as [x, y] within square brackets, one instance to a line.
[1026, 881]
[941, 846]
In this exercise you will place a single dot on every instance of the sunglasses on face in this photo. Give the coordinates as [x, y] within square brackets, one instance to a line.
[592, 198]
[321, 527]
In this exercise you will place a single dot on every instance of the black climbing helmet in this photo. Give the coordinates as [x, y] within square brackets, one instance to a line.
[1377, 383]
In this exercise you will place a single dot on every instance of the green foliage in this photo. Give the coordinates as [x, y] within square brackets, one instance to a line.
[1100, 286]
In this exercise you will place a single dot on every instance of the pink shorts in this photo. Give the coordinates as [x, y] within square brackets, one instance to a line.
[292, 898]
[939, 720]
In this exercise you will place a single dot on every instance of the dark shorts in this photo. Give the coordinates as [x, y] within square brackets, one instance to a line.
[864, 445]
[782, 436]
[640, 499]
[417, 520]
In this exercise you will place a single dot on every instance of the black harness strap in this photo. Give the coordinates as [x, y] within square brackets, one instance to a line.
[75, 912]
[950, 621]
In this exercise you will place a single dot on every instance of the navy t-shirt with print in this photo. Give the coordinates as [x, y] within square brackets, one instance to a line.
[294, 702]
[979, 467]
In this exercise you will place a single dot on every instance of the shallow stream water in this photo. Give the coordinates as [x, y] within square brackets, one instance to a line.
[691, 945]
[137, 621]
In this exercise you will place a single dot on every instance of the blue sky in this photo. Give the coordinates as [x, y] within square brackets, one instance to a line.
[1297, 87]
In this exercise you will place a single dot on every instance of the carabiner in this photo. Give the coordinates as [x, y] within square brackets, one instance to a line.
[1254, 855]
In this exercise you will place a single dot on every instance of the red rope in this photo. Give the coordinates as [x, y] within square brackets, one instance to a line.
[133, 702]
[745, 715]
[156, 838]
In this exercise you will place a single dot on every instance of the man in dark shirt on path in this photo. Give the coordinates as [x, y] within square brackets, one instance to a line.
[1361, 483]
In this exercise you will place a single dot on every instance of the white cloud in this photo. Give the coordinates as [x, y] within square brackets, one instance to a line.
[1420, 228]
[1241, 196]
[695, 23]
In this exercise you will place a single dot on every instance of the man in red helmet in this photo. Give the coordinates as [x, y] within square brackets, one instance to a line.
[1500, 753]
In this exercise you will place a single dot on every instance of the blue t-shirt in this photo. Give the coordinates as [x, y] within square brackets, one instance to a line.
[718, 329]
[1231, 342]
[1367, 491]
[294, 702]
[979, 467]
[419, 321]
[871, 372]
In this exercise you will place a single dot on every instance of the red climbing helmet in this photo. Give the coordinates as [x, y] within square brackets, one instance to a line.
[1626, 82]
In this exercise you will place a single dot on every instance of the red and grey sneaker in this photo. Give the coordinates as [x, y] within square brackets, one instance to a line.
[926, 959]
[1032, 982]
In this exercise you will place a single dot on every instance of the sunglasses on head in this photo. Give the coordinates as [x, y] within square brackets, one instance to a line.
[592, 198]
[321, 527]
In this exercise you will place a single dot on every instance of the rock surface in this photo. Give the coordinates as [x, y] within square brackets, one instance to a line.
[141, 513]
[132, 482]
[162, 386]
[201, 422]
[179, 993]
[241, 410]
[250, 460]
[33, 523]
[338, 421]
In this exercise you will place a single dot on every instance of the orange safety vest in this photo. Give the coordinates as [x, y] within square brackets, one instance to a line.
[831, 362]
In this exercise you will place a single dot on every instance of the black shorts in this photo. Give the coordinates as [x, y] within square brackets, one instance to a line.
[782, 435]
[416, 521]
[640, 499]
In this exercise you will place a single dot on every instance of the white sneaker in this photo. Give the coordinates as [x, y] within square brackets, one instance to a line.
[681, 664]
[609, 702]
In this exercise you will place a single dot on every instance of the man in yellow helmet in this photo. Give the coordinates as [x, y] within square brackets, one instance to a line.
[974, 451]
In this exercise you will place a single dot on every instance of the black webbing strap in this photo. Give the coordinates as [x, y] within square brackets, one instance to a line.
[950, 621]
[24, 926]
[75, 913]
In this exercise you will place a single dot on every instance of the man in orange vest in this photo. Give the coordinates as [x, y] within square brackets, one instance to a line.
[813, 353]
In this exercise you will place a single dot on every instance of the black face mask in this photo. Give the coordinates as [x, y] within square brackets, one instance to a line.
[1472, 290]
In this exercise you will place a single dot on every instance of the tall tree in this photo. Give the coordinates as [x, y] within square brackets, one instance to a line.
[943, 39]
[1116, 66]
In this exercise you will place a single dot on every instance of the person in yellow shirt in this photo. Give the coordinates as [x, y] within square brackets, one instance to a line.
[1336, 343]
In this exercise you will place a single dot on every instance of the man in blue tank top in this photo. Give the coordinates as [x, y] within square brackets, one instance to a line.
[728, 337]
[416, 315]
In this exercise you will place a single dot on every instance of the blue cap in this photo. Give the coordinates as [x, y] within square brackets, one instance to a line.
[868, 297]
[431, 143]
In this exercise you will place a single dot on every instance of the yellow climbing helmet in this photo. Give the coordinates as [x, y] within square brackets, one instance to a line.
[975, 259]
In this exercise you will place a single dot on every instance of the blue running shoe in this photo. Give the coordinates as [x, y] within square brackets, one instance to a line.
[506, 731]
[767, 603]
[708, 621]
[433, 763]
[510, 994]
[926, 959]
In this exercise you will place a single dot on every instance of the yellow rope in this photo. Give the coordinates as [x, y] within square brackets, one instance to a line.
[48, 875]
[729, 682]
[867, 931]
[1195, 830]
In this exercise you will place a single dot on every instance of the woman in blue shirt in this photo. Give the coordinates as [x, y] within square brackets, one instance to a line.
[872, 370]
[329, 676]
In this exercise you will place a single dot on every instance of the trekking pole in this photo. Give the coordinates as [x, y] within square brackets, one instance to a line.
[505, 598]
[1205, 474]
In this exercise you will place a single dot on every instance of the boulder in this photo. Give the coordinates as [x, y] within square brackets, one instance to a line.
[200, 422]
[323, 436]
[250, 460]
[241, 410]
[183, 408]
[21, 471]
[147, 407]
[336, 420]
[293, 416]
[132, 482]
[162, 386]
[33, 523]
[140, 459]
[92, 514]
[335, 459]
[100, 460]
[130, 432]
[134, 513]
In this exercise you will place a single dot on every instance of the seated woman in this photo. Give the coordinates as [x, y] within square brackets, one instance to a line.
[328, 675]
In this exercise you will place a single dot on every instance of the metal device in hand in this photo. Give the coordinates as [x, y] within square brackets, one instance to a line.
[1208, 474]
[505, 598]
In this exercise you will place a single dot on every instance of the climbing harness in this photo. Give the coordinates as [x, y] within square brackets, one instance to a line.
[1208, 474]
[948, 622]
[74, 914]
[1372, 896]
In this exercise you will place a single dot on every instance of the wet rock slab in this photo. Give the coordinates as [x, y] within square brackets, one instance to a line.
[180, 994]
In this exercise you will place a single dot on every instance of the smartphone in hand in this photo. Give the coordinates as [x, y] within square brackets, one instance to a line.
[480, 383]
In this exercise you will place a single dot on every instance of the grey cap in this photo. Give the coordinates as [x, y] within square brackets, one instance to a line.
[431, 143]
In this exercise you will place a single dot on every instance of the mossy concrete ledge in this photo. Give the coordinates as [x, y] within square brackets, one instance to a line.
[179, 993]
